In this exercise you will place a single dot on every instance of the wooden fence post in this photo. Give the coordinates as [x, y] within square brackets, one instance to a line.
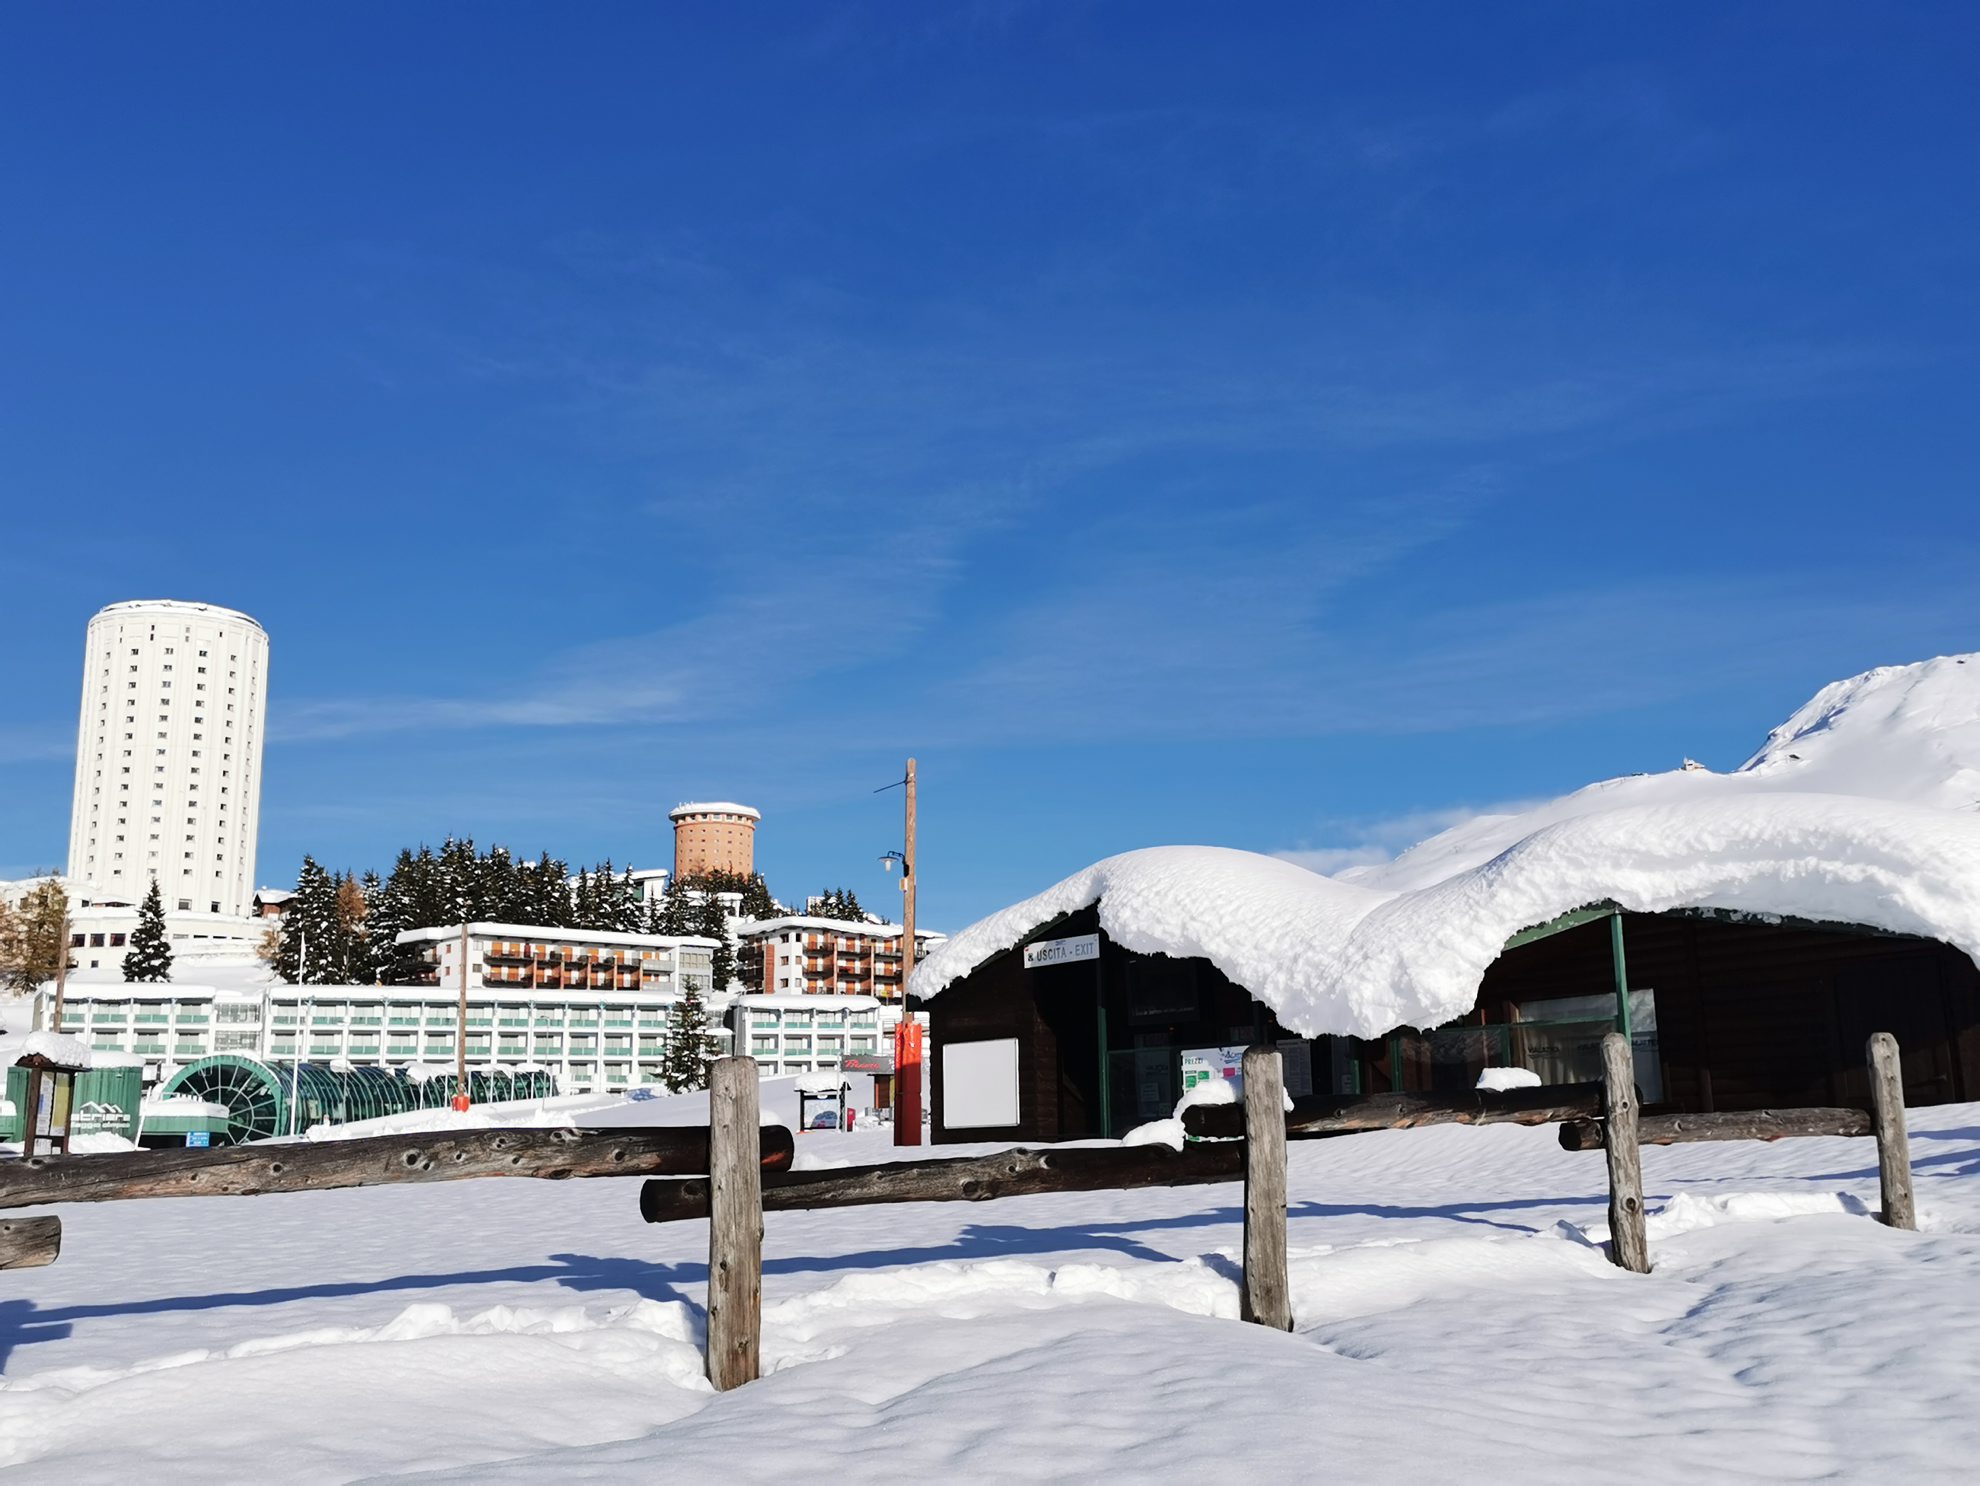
[1893, 1140]
[1629, 1242]
[735, 1223]
[1267, 1292]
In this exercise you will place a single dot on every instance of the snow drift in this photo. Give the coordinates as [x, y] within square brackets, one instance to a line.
[1860, 809]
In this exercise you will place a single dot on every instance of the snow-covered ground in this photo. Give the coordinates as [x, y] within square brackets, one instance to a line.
[1453, 1322]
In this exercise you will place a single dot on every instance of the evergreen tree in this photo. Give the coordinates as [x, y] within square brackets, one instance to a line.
[628, 914]
[150, 956]
[584, 900]
[838, 903]
[684, 1063]
[460, 872]
[394, 911]
[309, 950]
[676, 910]
[378, 932]
[500, 888]
[427, 900]
[550, 894]
[756, 900]
[711, 921]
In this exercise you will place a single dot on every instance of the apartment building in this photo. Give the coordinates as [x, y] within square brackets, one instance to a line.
[803, 1033]
[823, 956]
[536, 958]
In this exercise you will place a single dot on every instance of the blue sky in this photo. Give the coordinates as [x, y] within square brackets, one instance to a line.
[1286, 427]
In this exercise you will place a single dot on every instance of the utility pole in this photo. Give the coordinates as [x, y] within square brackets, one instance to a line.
[907, 1036]
[907, 889]
[460, 1036]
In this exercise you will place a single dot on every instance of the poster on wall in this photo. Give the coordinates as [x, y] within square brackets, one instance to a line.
[1200, 1064]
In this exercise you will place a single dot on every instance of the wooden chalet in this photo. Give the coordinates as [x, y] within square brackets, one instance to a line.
[1069, 1035]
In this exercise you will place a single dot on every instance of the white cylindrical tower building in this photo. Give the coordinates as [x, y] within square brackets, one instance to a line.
[168, 756]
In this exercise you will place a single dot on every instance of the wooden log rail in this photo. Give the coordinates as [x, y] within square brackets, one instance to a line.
[1014, 1173]
[1745, 1124]
[1348, 1114]
[253, 1170]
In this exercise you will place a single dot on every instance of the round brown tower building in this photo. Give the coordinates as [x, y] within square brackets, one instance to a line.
[717, 836]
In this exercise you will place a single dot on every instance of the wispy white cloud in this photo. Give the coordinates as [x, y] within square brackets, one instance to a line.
[1367, 843]
[33, 745]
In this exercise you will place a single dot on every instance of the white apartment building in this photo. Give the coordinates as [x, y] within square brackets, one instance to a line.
[168, 772]
[824, 956]
[806, 1033]
[592, 1036]
[537, 958]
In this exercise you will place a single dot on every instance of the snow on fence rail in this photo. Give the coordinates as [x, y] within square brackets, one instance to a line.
[1604, 1116]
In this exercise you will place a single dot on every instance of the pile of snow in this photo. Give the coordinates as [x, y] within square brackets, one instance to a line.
[1498, 1080]
[1860, 810]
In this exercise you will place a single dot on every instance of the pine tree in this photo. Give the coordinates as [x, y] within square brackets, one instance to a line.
[837, 903]
[711, 921]
[756, 900]
[394, 912]
[500, 887]
[427, 899]
[676, 910]
[150, 956]
[627, 912]
[309, 953]
[375, 934]
[460, 875]
[684, 1064]
[584, 901]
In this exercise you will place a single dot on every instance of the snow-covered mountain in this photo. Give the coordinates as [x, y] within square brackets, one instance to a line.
[1901, 733]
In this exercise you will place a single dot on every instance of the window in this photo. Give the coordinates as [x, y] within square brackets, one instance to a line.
[185, 904]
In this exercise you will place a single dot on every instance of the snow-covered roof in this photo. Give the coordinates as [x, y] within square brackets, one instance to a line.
[58, 1048]
[755, 928]
[542, 934]
[1864, 808]
[820, 1002]
[713, 807]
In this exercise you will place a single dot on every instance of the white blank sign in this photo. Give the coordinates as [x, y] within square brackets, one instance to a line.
[980, 1084]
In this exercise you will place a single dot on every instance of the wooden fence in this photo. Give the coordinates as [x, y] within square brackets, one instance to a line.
[1601, 1116]
[736, 1169]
